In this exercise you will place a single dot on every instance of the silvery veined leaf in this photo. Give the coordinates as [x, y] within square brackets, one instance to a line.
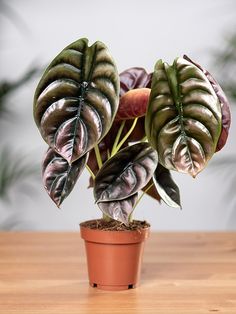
[77, 98]
[225, 109]
[166, 187]
[119, 210]
[59, 177]
[184, 120]
[106, 144]
[125, 173]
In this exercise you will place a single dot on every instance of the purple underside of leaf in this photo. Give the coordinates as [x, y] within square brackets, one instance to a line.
[119, 210]
[59, 177]
[133, 78]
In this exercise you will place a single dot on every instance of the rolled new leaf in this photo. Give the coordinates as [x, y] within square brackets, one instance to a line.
[225, 109]
[133, 104]
[119, 210]
[125, 173]
[166, 187]
[77, 99]
[59, 177]
[183, 121]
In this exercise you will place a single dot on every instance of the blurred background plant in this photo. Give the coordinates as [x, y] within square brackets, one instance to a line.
[225, 64]
[225, 61]
[16, 169]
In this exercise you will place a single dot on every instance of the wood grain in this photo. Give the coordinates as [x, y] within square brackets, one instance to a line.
[183, 273]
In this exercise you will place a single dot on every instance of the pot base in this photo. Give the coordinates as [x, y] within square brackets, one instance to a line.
[112, 288]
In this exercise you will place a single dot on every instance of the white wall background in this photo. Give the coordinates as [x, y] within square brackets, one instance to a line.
[137, 33]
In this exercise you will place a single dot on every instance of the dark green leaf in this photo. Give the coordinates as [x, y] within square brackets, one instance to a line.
[166, 187]
[119, 210]
[59, 177]
[184, 118]
[125, 173]
[77, 99]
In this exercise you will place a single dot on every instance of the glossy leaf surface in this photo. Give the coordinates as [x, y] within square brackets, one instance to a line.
[77, 98]
[225, 109]
[107, 142]
[183, 121]
[59, 177]
[125, 173]
[151, 191]
[166, 187]
[119, 210]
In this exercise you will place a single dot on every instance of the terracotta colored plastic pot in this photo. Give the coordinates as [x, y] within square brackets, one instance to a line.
[114, 257]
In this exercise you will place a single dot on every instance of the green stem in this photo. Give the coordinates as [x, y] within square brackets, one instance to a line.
[98, 156]
[144, 139]
[141, 196]
[106, 218]
[113, 151]
[90, 171]
[126, 136]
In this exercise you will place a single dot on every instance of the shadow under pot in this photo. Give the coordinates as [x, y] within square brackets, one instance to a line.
[114, 258]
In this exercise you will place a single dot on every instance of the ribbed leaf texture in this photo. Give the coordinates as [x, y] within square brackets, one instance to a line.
[125, 173]
[166, 187]
[59, 177]
[225, 108]
[183, 121]
[77, 99]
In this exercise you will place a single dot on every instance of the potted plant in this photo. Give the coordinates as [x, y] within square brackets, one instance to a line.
[129, 131]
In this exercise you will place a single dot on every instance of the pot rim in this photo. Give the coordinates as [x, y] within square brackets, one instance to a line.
[114, 236]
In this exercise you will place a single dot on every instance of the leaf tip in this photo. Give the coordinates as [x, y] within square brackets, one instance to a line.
[57, 202]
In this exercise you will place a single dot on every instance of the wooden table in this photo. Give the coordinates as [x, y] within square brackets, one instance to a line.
[182, 273]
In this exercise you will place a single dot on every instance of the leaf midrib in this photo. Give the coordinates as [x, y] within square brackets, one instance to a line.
[172, 76]
[129, 165]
